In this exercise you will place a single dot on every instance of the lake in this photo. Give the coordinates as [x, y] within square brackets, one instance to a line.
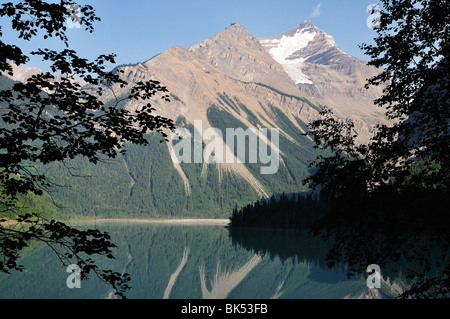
[195, 260]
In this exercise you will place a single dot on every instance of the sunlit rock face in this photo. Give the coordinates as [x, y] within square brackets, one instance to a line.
[326, 73]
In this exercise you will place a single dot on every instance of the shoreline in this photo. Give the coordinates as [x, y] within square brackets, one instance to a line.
[183, 221]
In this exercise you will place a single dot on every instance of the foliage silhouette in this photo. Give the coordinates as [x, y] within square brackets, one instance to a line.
[389, 198]
[297, 212]
[53, 117]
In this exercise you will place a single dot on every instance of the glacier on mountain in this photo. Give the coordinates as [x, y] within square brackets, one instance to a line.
[284, 50]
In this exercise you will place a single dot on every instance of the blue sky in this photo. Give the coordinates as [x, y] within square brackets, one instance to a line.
[136, 30]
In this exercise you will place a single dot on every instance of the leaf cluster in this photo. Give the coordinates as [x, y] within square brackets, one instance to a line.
[59, 115]
[389, 196]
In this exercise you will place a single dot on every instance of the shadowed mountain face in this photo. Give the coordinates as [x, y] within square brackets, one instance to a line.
[231, 80]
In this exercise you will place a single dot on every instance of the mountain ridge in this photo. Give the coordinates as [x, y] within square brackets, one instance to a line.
[327, 74]
[239, 55]
[229, 80]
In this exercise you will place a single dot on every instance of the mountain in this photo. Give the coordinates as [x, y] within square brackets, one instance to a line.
[236, 53]
[21, 73]
[325, 72]
[227, 82]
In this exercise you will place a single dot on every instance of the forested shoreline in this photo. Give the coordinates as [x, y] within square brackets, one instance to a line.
[295, 212]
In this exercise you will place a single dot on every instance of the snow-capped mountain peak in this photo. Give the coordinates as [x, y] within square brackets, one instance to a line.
[321, 69]
[283, 50]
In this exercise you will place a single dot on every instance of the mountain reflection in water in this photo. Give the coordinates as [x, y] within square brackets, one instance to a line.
[194, 262]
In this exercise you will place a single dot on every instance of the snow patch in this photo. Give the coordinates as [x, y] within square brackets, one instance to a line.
[294, 69]
[287, 46]
[270, 41]
[330, 40]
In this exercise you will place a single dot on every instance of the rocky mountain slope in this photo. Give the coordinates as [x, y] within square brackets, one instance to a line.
[231, 80]
[323, 71]
[230, 72]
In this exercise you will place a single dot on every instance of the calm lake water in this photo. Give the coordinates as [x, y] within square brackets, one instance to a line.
[196, 261]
